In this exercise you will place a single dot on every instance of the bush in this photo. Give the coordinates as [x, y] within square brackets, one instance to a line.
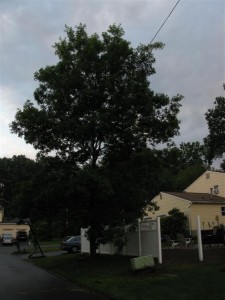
[174, 223]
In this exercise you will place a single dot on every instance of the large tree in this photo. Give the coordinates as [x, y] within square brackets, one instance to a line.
[215, 141]
[14, 172]
[181, 165]
[96, 104]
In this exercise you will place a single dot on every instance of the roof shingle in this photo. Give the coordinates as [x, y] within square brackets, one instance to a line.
[199, 197]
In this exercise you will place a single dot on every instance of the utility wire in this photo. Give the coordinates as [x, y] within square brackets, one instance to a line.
[164, 21]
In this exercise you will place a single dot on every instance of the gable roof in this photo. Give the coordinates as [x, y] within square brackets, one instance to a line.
[221, 174]
[199, 198]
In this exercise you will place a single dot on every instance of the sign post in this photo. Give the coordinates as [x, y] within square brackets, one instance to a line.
[159, 240]
[200, 252]
[139, 237]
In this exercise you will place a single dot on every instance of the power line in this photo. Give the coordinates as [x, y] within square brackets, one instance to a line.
[164, 21]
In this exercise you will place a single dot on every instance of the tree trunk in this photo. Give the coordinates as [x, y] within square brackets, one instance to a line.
[92, 239]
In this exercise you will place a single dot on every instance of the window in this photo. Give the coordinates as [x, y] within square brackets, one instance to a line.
[223, 211]
[216, 189]
[207, 175]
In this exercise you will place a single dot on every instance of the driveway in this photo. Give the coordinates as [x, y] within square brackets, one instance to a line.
[21, 280]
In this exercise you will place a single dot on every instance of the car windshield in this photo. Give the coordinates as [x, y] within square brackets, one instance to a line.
[73, 239]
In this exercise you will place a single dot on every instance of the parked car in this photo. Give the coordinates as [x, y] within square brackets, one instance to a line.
[71, 245]
[7, 239]
[21, 235]
[66, 238]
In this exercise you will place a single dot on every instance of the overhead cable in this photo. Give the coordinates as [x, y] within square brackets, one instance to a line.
[164, 21]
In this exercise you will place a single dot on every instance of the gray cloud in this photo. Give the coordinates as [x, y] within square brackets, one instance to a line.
[192, 62]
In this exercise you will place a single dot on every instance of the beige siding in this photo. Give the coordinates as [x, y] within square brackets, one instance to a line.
[12, 228]
[208, 180]
[208, 212]
[208, 215]
[167, 202]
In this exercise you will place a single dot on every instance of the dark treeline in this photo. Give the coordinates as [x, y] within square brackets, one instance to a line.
[56, 197]
[95, 110]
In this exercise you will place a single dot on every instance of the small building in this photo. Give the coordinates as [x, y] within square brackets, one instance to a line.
[204, 197]
[1, 213]
[11, 226]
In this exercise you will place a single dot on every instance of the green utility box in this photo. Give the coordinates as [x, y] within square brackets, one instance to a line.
[142, 263]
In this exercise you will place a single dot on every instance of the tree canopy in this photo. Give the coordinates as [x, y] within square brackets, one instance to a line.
[95, 108]
[96, 100]
[215, 141]
[57, 197]
[14, 172]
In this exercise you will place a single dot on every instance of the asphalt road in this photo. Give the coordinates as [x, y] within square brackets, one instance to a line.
[21, 280]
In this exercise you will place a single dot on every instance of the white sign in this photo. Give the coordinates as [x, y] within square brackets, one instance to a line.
[148, 226]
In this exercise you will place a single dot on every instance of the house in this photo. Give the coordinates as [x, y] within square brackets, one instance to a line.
[11, 227]
[1, 213]
[209, 182]
[204, 197]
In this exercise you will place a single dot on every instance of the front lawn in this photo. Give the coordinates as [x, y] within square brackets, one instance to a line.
[112, 276]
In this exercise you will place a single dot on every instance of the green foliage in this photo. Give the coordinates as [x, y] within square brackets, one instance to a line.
[54, 191]
[96, 100]
[193, 154]
[95, 108]
[15, 174]
[180, 166]
[42, 230]
[222, 165]
[186, 176]
[135, 183]
[188, 154]
[215, 141]
[174, 223]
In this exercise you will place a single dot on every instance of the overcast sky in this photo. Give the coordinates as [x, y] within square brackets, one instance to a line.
[192, 62]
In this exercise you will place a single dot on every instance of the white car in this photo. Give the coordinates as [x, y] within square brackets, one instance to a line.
[7, 239]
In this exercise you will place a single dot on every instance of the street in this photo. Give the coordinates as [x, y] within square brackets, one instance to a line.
[21, 280]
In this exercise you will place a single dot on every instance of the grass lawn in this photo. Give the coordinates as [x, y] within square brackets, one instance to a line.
[49, 247]
[112, 276]
[45, 246]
